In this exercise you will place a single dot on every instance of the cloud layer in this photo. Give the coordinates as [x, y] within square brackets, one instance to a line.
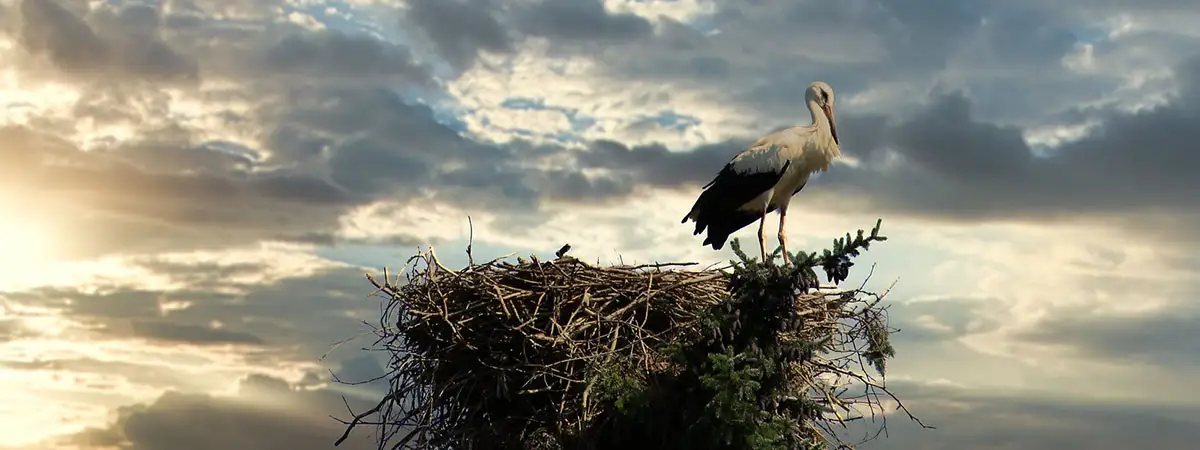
[205, 169]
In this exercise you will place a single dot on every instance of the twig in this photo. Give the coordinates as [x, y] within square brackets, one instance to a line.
[358, 418]
[470, 242]
[502, 351]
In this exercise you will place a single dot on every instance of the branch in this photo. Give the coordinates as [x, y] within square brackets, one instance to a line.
[358, 418]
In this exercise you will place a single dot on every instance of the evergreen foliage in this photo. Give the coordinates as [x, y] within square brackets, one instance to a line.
[734, 391]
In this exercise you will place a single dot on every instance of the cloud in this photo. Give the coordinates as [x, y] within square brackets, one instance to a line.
[944, 319]
[581, 21]
[943, 162]
[461, 29]
[133, 204]
[1026, 420]
[266, 413]
[219, 303]
[1162, 338]
[189, 323]
[127, 46]
[312, 139]
[167, 331]
[1013, 147]
[324, 55]
[11, 329]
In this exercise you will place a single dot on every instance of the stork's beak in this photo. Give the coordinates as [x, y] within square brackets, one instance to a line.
[832, 123]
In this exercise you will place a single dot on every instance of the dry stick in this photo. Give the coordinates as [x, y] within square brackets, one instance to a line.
[592, 289]
[358, 418]
[470, 242]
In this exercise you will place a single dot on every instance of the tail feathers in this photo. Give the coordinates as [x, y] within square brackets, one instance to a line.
[716, 240]
[718, 209]
[722, 224]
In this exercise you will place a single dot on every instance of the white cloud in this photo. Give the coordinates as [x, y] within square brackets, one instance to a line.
[614, 107]
[678, 10]
[66, 375]
[981, 284]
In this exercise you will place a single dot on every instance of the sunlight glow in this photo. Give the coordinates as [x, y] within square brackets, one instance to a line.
[25, 243]
[22, 99]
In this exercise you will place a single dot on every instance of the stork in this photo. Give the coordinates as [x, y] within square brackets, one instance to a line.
[764, 177]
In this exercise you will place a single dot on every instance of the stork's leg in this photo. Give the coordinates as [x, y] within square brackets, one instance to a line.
[762, 236]
[783, 233]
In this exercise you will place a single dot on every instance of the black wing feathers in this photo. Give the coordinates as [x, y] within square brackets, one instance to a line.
[717, 208]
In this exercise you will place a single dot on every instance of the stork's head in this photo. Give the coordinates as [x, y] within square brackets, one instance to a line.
[821, 94]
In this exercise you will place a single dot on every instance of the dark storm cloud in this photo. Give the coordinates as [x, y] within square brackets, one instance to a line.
[382, 147]
[954, 158]
[171, 186]
[953, 165]
[580, 21]
[459, 29]
[964, 419]
[146, 195]
[1163, 338]
[323, 309]
[203, 422]
[762, 55]
[982, 420]
[943, 161]
[954, 318]
[332, 135]
[655, 165]
[324, 55]
[193, 334]
[128, 46]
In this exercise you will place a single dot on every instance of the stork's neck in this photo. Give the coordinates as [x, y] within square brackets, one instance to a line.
[818, 117]
[821, 124]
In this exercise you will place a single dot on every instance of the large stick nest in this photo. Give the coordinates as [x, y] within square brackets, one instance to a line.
[522, 355]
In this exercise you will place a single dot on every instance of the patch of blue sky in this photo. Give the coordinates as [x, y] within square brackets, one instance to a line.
[231, 148]
[123, 3]
[705, 24]
[343, 16]
[671, 120]
[579, 123]
[561, 137]
[1092, 35]
[523, 103]
[449, 115]
[445, 108]
[381, 22]
[377, 20]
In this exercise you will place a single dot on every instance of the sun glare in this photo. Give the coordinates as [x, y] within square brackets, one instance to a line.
[24, 244]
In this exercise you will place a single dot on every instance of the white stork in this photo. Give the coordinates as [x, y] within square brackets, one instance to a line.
[765, 176]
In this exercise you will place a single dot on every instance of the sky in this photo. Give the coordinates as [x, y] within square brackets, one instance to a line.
[192, 191]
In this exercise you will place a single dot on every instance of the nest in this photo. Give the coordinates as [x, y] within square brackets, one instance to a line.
[504, 355]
